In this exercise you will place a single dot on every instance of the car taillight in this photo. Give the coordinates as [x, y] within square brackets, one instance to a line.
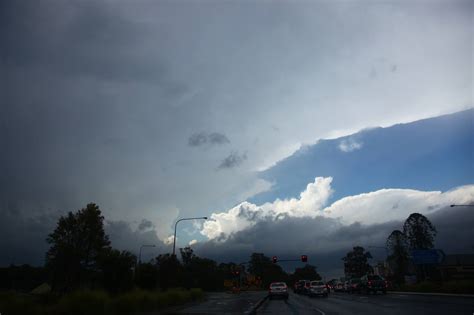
[370, 282]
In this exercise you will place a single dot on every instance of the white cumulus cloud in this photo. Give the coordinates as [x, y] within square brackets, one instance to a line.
[394, 204]
[245, 215]
[349, 145]
[376, 207]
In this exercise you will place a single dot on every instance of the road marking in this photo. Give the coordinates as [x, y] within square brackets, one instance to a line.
[321, 312]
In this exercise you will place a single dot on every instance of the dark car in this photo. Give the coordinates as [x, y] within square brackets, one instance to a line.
[373, 283]
[318, 288]
[354, 285]
[302, 287]
[278, 290]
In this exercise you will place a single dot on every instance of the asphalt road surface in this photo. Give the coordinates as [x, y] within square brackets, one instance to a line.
[224, 303]
[341, 303]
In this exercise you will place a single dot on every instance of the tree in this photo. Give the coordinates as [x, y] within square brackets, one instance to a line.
[170, 271]
[258, 263]
[187, 255]
[398, 258]
[146, 276]
[308, 272]
[117, 270]
[76, 244]
[262, 266]
[420, 234]
[419, 231]
[356, 262]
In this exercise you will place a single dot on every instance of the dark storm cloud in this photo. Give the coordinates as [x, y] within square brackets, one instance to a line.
[23, 238]
[202, 138]
[87, 39]
[145, 224]
[233, 160]
[124, 237]
[326, 240]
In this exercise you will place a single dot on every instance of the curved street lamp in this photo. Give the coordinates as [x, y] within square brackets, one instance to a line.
[175, 225]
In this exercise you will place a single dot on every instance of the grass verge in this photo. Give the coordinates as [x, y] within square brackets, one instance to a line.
[452, 286]
[89, 302]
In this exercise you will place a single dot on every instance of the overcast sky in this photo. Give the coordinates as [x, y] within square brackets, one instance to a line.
[163, 109]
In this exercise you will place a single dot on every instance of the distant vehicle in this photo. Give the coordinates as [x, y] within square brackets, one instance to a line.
[278, 290]
[354, 285]
[318, 288]
[373, 283]
[302, 286]
[346, 286]
[338, 287]
[329, 286]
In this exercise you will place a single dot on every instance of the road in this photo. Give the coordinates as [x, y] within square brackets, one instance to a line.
[335, 304]
[341, 303]
[224, 303]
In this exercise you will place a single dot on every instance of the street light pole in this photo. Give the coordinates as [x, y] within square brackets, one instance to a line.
[176, 224]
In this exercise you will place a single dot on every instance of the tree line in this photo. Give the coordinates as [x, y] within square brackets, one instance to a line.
[81, 256]
[418, 233]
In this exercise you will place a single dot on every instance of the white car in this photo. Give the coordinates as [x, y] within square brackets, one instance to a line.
[318, 288]
[278, 289]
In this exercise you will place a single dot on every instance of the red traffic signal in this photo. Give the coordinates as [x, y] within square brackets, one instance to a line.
[304, 258]
[274, 259]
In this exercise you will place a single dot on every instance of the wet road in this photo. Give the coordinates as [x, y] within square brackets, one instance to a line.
[225, 303]
[341, 303]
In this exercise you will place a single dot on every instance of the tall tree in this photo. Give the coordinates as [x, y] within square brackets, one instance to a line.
[170, 271]
[308, 272]
[261, 266]
[187, 255]
[117, 270]
[356, 262]
[76, 244]
[419, 231]
[398, 258]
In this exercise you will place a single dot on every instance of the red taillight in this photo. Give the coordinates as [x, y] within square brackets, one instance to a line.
[370, 283]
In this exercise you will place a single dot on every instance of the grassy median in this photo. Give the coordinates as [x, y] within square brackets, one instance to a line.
[95, 302]
[452, 286]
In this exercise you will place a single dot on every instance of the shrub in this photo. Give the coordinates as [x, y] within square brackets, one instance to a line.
[16, 304]
[84, 302]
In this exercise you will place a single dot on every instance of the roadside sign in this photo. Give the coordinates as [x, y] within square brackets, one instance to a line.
[427, 256]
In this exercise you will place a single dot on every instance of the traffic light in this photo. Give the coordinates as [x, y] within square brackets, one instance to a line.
[274, 259]
[304, 258]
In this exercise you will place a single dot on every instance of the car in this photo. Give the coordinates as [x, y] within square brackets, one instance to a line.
[302, 286]
[373, 283]
[339, 287]
[354, 285]
[318, 288]
[278, 290]
[346, 286]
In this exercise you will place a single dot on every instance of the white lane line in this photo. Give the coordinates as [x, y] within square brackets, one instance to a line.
[321, 312]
